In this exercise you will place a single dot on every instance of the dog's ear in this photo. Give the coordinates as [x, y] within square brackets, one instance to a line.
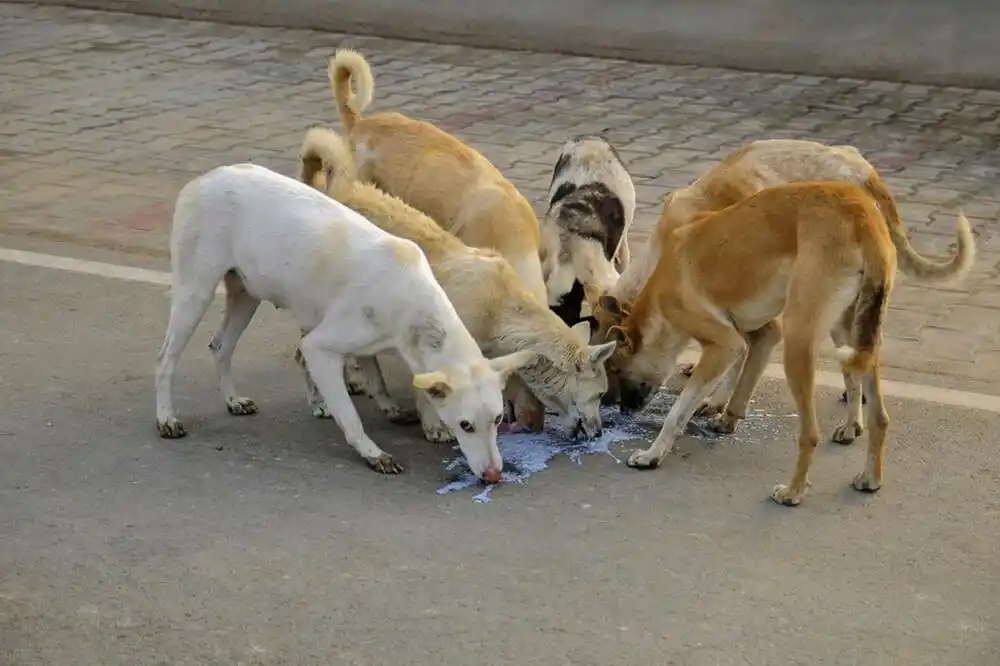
[612, 214]
[623, 337]
[582, 331]
[611, 305]
[599, 354]
[435, 384]
[505, 365]
[592, 294]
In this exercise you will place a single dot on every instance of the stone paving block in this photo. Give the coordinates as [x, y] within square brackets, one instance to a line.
[105, 116]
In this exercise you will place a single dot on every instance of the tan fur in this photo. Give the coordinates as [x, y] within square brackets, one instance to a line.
[492, 302]
[804, 251]
[437, 174]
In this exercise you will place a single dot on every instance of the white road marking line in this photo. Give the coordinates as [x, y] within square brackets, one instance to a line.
[919, 392]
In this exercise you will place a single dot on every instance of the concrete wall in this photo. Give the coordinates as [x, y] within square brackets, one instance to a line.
[949, 42]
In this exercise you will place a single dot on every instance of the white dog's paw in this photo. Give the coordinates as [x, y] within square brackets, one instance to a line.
[354, 388]
[438, 432]
[171, 428]
[709, 408]
[320, 410]
[848, 432]
[241, 406]
[724, 423]
[401, 415]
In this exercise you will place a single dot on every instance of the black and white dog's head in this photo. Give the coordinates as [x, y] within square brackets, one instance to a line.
[591, 205]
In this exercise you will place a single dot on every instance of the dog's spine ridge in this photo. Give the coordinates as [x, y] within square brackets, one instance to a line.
[912, 263]
[348, 67]
[324, 151]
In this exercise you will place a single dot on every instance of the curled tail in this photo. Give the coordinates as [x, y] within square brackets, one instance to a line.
[326, 160]
[910, 262]
[345, 66]
[872, 301]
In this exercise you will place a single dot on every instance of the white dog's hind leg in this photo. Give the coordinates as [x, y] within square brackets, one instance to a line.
[326, 366]
[188, 305]
[313, 396]
[354, 376]
[434, 429]
[240, 308]
[373, 385]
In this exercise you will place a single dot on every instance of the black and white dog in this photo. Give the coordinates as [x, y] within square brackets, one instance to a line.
[591, 206]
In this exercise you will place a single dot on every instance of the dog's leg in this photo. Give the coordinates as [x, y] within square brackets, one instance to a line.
[715, 403]
[313, 396]
[240, 308]
[373, 385]
[762, 343]
[434, 429]
[716, 359]
[326, 365]
[853, 424]
[188, 305]
[878, 422]
[529, 412]
[354, 376]
[624, 256]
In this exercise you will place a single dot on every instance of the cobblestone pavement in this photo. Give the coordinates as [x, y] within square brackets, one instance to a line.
[105, 116]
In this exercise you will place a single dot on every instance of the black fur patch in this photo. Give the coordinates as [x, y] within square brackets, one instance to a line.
[870, 319]
[561, 165]
[561, 193]
[594, 201]
[570, 305]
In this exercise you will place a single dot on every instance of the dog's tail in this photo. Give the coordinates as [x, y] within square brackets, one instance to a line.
[879, 259]
[910, 262]
[347, 66]
[326, 160]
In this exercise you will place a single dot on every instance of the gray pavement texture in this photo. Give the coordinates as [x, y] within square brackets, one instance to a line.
[914, 41]
[263, 540]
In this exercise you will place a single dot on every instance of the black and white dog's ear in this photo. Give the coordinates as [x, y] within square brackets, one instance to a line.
[612, 214]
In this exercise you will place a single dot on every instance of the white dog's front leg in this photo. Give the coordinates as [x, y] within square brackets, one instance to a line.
[313, 396]
[327, 370]
[354, 376]
[434, 429]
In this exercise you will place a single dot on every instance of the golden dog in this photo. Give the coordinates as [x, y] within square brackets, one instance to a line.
[805, 251]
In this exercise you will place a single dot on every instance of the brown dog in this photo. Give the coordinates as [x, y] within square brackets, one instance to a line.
[805, 251]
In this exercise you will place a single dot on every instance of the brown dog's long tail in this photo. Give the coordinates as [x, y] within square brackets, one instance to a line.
[347, 66]
[873, 298]
[326, 160]
[910, 262]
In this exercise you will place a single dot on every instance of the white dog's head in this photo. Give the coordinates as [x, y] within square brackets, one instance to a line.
[468, 400]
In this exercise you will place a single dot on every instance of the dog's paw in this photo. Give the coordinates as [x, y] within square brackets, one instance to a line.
[709, 408]
[686, 369]
[847, 433]
[439, 433]
[354, 388]
[241, 407]
[866, 482]
[644, 459]
[784, 495]
[401, 415]
[171, 428]
[385, 464]
[320, 410]
[724, 423]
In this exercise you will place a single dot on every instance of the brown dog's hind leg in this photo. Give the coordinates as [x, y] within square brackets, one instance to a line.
[878, 427]
[854, 422]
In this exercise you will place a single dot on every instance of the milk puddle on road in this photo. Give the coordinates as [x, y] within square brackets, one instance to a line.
[526, 454]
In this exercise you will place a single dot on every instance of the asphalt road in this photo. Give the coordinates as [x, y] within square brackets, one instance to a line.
[265, 540]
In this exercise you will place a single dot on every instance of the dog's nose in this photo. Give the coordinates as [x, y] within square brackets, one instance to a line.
[492, 475]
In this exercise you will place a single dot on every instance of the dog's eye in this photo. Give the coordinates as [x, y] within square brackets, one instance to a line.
[498, 419]
[466, 426]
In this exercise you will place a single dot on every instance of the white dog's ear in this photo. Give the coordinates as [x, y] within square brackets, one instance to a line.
[505, 365]
[592, 295]
[599, 354]
[582, 331]
[435, 384]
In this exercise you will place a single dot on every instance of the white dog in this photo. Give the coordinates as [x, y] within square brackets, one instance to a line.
[591, 208]
[353, 288]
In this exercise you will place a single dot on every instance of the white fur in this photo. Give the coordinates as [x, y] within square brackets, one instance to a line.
[352, 288]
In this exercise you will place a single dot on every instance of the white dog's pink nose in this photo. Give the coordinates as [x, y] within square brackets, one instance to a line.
[492, 475]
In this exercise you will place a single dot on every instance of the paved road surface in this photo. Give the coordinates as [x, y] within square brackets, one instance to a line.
[263, 540]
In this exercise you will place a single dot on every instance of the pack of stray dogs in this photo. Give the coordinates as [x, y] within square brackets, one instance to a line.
[397, 236]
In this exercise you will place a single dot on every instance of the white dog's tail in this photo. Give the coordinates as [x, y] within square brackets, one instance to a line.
[347, 66]
[326, 160]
